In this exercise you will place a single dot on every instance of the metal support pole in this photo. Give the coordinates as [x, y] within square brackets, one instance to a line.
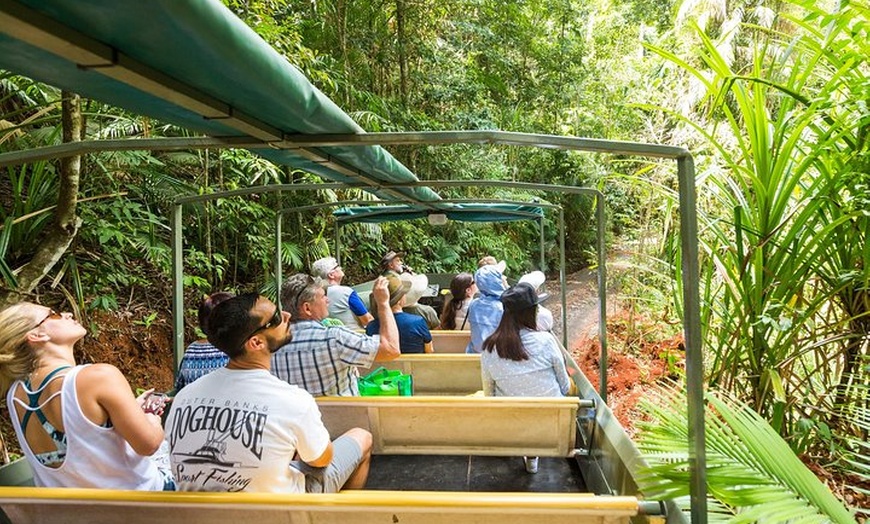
[337, 242]
[279, 220]
[602, 296]
[562, 277]
[692, 334]
[177, 285]
[543, 265]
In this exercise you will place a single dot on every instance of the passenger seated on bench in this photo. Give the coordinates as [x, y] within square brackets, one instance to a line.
[419, 286]
[392, 263]
[545, 316]
[239, 427]
[455, 313]
[518, 360]
[484, 312]
[344, 303]
[487, 261]
[78, 425]
[201, 357]
[414, 334]
[325, 360]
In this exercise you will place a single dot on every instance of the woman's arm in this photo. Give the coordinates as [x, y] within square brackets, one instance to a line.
[104, 393]
[559, 367]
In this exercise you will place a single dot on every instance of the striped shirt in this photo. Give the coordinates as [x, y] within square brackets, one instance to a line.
[200, 359]
[324, 360]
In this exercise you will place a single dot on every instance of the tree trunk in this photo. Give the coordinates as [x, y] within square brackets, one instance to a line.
[403, 59]
[58, 236]
[341, 29]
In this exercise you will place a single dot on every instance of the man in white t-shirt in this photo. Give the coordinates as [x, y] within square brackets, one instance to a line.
[240, 428]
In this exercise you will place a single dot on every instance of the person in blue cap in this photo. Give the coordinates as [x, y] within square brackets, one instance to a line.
[484, 312]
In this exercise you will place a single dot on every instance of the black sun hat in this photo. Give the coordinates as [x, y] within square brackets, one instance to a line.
[521, 296]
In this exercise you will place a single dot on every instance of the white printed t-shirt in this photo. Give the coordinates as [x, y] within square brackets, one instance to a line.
[238, 430]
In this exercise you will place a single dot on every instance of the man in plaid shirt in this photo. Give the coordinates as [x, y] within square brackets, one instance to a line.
[323, 360]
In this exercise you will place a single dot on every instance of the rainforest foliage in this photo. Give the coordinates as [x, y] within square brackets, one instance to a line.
[770, 96]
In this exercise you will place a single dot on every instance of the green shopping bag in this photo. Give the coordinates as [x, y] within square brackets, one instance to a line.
[384, 382]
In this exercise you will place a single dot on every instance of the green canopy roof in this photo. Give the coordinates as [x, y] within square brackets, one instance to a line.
[461, 212]
[196, 65]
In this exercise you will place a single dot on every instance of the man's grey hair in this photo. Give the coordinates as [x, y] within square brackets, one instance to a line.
[297, 290]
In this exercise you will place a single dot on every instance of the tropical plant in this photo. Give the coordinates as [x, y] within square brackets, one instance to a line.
[752, 473]
[772, 211]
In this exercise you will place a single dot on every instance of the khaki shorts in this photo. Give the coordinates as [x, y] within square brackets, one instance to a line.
[346, 457]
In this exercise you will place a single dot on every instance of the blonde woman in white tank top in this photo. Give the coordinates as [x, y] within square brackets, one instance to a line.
[74, 420]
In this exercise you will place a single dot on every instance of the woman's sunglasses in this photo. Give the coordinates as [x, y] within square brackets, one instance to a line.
[51, 314]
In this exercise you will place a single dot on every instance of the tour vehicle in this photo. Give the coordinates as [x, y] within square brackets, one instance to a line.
[442, 456]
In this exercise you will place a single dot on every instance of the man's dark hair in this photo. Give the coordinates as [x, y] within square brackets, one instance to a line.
[231, 322]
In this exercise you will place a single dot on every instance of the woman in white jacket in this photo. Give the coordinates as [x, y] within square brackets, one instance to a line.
[520, 361]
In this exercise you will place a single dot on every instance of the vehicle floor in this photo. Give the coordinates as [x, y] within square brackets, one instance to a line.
[472, 473]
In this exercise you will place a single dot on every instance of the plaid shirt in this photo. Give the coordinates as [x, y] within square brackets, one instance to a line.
[324, 360]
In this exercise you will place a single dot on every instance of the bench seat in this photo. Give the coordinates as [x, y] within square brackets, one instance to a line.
[450, 341]
[438, 374]
[470, 425]
[93, 506]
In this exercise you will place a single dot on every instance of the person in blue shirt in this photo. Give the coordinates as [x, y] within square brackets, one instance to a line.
[484, 312]
[201, 357]
[414, 334]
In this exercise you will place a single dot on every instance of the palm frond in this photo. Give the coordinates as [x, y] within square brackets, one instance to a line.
[751, 470]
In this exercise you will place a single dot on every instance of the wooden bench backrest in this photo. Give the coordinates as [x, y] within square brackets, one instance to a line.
[74, 506]
[474, 425]
[447, 341]
[438, 374]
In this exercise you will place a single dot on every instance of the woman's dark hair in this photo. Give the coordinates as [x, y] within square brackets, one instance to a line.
[207, 306]
[458, 286]
[506, 339]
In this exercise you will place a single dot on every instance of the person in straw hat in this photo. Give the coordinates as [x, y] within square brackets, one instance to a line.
[414, 334]
[392, 263]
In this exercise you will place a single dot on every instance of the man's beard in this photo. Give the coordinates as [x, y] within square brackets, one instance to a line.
[274, 346]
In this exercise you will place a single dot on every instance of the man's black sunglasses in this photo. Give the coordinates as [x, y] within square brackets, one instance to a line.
[275, 320]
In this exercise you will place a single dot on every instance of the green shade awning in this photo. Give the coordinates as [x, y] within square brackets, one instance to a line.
[196, 65]
[460, 212]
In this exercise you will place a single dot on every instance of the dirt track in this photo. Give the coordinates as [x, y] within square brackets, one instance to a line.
[581, 295]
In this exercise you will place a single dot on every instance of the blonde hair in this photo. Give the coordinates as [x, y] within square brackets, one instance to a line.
[488, 260]
[17, 359]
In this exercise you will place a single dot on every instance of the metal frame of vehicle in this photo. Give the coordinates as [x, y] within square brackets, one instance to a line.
[88, 47]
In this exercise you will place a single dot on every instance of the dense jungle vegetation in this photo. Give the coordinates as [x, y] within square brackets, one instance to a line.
[770, 96]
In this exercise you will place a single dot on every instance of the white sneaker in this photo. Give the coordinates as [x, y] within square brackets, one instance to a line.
[531, 464]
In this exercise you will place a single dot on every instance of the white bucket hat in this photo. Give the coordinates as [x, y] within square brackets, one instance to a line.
[536, 280]
[419, 286]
